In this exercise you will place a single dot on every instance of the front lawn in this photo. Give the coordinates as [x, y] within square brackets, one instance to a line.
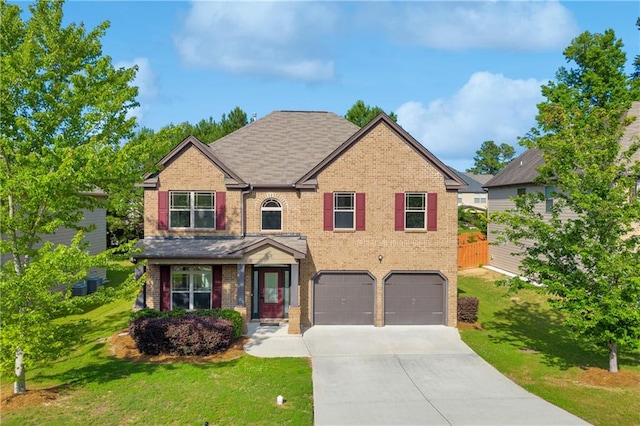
[91, 386]
[523, 338]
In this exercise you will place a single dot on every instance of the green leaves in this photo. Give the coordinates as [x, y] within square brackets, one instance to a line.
[491, 158]
[360, 113]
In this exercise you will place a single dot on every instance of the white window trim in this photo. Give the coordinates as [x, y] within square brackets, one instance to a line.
[191, 271]
[263, 208]
[407, 210]
[192, 209]
[343, 210]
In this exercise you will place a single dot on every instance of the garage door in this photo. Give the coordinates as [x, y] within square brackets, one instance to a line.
[343, 298]
[414, 299]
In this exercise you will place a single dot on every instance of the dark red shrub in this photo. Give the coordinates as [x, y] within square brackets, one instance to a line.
[149, 334]
[198, 335]
[468, 309]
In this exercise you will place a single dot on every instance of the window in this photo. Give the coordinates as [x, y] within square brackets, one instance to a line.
[191, 209]
[521, 191]
[415, 211]
[548, 195]
[271, 213]
[480, 198]
[343, 210]
[638, 189]
[459, 200]
[191, 287]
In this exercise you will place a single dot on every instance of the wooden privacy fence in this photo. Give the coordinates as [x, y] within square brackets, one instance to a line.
[473, 250]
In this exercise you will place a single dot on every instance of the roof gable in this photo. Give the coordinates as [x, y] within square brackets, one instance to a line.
[452, 180]
[522, 170]
[232, 179]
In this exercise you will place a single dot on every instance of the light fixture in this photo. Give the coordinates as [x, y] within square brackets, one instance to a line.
[380, 257]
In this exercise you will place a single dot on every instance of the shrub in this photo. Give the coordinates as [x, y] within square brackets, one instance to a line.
[198, 335]
[149, 334]
[235, 318]
[468, 309]
[228, 314]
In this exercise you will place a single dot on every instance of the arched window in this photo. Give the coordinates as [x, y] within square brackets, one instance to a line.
[271, 215]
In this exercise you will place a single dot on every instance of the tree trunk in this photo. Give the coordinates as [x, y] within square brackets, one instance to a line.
[20, 385]
[613, 357]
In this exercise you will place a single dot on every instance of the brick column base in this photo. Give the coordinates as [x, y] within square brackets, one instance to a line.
[294, 320]
[243, 312]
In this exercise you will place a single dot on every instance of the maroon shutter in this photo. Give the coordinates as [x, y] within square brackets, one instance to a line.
[216, 293]
[163, 210]
[360, 211]
[328, 211]
[400, 211]
[165, 287]
[432, 211]
[221, 209]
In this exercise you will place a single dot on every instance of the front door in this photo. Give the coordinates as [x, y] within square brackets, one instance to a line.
[271, 288]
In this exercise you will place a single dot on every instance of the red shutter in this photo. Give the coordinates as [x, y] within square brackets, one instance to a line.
[216, 293]
[328, 211]
[221, 209]
[163, 210]
[400, 211]
[360, 211]
[165, 287]
[432, 211]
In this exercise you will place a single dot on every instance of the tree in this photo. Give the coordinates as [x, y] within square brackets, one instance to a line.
[636, 63]
[63, 114]
[360, 113]
[491, 158]
[588, 261]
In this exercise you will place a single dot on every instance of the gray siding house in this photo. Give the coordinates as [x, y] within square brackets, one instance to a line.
[518, 178]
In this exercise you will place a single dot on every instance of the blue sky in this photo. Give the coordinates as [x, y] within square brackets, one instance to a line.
[456, 73]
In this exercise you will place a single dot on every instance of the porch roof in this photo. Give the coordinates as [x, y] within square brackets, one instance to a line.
[218, 247]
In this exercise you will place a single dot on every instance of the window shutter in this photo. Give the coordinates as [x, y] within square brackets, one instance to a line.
[360, 211]
[400, 211]
[432, 211]
[328, 211]
[221, 209]
[165, 287]
[163, 210]
[216, 289]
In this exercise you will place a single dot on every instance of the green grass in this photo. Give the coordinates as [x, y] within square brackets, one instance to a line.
[97, 388]
[526, 340]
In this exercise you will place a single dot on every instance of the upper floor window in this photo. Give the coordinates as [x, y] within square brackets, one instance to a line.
[192, 209]
[548, 195]
[191, 287]
[480, 198]
[415, 211]
[271, 215]
[344, 210]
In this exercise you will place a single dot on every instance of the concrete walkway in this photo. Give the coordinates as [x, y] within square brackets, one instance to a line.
[404, 375]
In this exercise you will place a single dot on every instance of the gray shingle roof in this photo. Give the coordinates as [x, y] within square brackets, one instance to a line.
[473, 185]
[284, 145]
[520, 171]
[217, 248]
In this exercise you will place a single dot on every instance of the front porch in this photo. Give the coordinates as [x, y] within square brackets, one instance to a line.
[256, 276]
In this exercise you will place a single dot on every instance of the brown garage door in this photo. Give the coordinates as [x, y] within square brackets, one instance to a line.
[414, 299]
[343, 298]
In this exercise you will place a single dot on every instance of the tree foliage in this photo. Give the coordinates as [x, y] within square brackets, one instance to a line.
[492, 158]
[588, 261]
[63, 113]
[360, 113]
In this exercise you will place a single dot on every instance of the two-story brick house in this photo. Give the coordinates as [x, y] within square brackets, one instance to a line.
[306, 217]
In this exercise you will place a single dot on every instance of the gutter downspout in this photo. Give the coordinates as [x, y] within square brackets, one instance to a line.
[242, 209]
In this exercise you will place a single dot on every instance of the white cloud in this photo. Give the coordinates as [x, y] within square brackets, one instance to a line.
[515, 25]
[488, 107]
[145, 80]
[277, 39]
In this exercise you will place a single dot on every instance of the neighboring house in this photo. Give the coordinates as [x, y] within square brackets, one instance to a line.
[474, 195]
[517, 179]
[304, 217]
[96, 238]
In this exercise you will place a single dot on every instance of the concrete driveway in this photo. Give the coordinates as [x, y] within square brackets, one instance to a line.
[407, 375]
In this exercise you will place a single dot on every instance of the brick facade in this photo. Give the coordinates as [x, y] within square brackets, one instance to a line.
[379, 165]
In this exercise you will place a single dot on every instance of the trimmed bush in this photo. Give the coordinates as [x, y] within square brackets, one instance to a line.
[235, 318]
[468, 309]
[149, 334]
[198, 335]
[228, 314]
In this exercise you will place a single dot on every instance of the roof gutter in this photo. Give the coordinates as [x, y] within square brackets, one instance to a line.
[242, 209]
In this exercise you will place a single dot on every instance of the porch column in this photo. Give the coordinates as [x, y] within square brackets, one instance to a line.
[240, 296]
[294, 306]
[293, 296]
